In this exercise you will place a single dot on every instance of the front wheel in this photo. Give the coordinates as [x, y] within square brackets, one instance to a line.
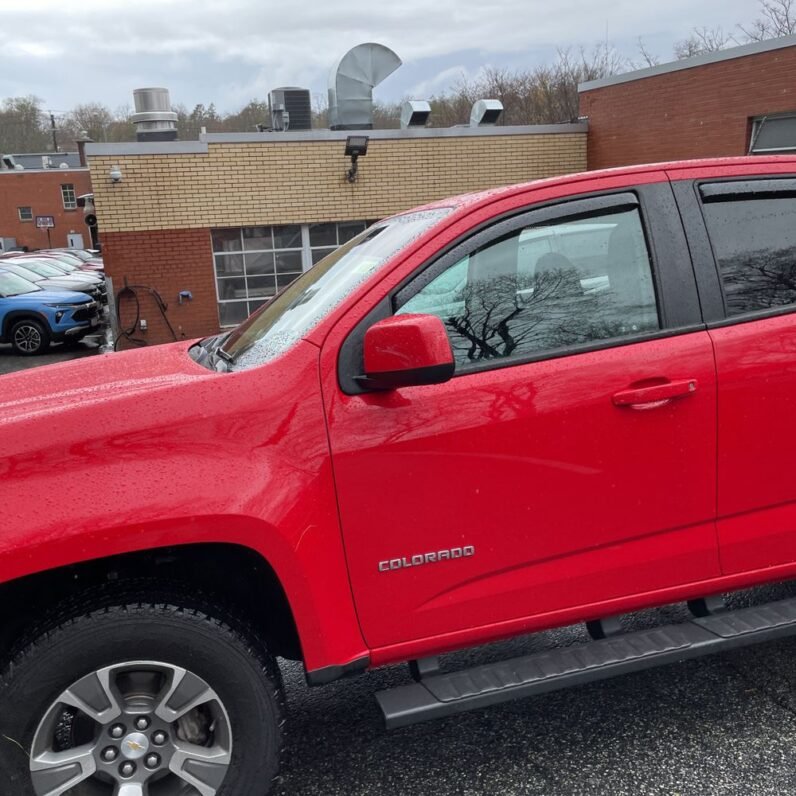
[138, 699]
[29, 337]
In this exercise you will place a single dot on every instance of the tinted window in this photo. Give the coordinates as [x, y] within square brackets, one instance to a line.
[754, 241]
[545, 288]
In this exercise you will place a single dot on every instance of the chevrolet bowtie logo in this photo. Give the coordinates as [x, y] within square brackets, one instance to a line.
[134, 747]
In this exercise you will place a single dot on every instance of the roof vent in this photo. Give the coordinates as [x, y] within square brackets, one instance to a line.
[415, 113]
[153, 118]
[351, 84]
[485, 113]
[291, 108]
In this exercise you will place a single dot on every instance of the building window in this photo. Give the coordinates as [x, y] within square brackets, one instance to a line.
[68, 195]
[253, 263]
[773, 135]
[25, 213]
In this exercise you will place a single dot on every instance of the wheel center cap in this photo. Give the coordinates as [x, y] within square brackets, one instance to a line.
[135, 746]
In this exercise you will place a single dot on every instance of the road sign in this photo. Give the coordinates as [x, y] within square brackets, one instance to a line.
[45, 222]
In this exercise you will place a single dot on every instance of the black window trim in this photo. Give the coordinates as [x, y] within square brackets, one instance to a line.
[666, 243]
[729, 189]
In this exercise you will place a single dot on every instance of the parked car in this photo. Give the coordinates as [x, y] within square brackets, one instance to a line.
[517, 410]
[85, 255]
[32, 318]
[37, 273]
[69, 260]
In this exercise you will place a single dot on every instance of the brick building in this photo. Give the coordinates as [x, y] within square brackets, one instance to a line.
[720, 104]
[31, 192]
[234, 217]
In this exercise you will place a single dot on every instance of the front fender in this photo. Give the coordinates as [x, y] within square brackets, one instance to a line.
[181, 455]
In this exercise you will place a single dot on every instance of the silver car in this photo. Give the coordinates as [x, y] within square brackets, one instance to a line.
[37, 274]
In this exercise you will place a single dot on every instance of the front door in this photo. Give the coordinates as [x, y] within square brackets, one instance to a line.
[571, 459]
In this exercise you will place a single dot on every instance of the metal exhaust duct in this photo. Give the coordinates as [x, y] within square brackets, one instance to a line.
[351, 84]
[485, 113]
[153, 118]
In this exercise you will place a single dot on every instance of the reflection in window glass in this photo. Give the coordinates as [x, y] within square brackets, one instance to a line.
[323, 235]
[287, 237]
[754, 241]
[257, 238]
[546, 288]
[226, 240]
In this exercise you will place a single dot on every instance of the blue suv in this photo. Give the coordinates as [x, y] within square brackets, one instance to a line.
[31, 318]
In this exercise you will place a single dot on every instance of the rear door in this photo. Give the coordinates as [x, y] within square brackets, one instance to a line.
[742, 231]
[571, 459]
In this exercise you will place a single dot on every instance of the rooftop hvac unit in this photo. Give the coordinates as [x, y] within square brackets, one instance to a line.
[291, 108]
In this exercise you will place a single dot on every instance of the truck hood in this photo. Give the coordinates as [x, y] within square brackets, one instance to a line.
[95, 380]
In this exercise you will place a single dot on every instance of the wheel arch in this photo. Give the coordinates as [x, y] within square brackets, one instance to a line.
[22, 315]
[239, 575]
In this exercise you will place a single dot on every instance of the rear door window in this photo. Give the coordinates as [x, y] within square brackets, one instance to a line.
[754, 241]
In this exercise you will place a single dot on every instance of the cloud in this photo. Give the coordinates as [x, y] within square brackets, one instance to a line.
[228, 52]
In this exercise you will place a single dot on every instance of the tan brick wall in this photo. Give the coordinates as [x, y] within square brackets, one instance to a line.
[239, 184]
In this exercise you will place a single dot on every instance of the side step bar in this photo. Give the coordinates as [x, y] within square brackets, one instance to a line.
[439, 695]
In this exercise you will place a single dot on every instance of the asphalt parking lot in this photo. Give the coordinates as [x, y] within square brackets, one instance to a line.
[11, 362]
[720, 725]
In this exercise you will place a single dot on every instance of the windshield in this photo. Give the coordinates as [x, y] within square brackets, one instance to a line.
[41, 268]
[306, 302]
[60, 262]
[23, 271]
[13, 285]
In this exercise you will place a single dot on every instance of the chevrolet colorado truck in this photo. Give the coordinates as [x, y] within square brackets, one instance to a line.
[558, 402]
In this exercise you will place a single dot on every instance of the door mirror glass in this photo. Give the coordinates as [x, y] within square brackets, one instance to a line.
[406, 350]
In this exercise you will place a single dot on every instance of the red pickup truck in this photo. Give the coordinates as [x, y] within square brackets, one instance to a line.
[545, 404]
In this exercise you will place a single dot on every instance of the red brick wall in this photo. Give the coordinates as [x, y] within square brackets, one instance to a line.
[41, 190]
[704, 111]
[168, 261]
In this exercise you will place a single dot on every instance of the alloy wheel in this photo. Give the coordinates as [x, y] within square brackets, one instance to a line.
[27, 338]
[133, 729]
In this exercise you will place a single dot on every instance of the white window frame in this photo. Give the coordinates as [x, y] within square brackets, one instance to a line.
[29, 216]
[68, 188]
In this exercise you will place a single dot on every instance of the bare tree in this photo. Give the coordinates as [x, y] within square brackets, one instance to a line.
[703, 40]
[777, 18]
[92, 118]
[646, 57]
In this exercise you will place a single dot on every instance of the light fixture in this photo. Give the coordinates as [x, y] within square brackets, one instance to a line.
[415, 113]
[115, 174]
[355, 146]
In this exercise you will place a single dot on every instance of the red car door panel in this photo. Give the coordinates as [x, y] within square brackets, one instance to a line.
[566, 498]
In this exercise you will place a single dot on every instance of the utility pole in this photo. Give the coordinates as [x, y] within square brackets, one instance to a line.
[55, 138]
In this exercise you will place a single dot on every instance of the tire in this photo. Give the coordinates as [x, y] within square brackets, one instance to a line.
[29, 337]
[137, 651]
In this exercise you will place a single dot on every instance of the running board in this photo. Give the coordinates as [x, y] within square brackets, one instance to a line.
[439, 695]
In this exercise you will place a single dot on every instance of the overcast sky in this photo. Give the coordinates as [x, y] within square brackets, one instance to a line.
[230, 51]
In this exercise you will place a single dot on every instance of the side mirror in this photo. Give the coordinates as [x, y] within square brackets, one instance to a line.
[406, 350]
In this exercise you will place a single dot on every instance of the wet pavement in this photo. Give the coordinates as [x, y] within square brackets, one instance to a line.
[723, 725]
[58, 352]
